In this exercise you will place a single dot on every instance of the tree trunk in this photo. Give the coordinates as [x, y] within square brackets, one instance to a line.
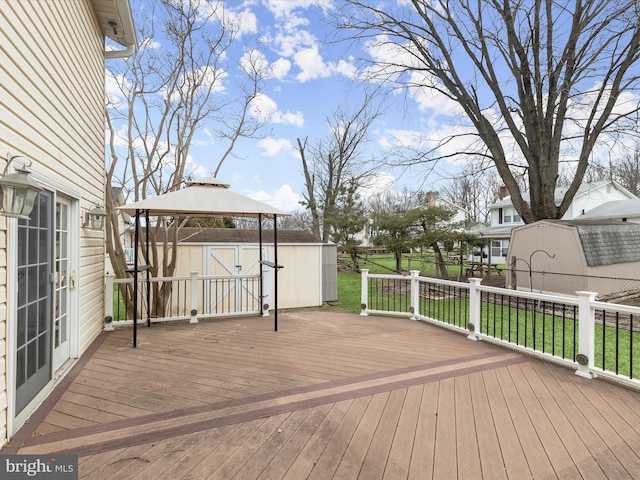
[441, 267]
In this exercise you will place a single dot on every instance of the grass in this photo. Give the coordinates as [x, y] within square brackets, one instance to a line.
[534, 329]
[386, 263]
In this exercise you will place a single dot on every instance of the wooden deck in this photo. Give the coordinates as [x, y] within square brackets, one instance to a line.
[331, 395]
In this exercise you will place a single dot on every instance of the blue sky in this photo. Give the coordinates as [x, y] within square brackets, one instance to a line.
[311, 77]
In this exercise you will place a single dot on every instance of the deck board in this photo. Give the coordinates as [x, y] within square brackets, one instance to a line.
[331, 395]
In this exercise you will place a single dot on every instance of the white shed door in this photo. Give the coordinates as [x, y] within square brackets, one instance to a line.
[232, 293]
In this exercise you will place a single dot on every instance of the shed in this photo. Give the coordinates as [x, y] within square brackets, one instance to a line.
[305, 259]
[565, 256]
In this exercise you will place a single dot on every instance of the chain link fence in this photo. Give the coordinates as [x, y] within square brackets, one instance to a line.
[608, 289]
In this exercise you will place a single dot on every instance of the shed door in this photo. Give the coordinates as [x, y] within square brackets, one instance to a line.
[231, 295]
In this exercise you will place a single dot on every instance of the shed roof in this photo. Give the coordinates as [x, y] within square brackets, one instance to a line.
[607, 242]
[240, 235]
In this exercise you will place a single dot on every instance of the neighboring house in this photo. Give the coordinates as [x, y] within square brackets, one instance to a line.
[306, 261]
[460, 214]
[565, 256]
[625, 210]
[52, 272]
[504, 217]
[459, 217]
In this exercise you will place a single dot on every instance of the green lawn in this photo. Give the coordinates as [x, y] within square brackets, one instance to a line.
[386, 263]
[532, 329]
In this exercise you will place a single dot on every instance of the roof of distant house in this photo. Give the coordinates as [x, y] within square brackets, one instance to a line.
[561, 191]
[617, 209]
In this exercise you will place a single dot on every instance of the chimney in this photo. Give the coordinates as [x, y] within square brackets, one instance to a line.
[504, 192]
[431, 199]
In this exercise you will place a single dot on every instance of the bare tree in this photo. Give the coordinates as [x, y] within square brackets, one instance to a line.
[476, 187]
[540, 82]
[335, 160]
[167, 95]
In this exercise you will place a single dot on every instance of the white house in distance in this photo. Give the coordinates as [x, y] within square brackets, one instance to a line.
[460, 216]
[52, 65]
[504, 217]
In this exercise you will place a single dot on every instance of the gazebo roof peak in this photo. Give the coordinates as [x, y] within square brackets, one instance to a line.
[208, 182]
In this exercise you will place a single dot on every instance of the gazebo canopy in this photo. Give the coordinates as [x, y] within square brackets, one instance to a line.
[201, 198]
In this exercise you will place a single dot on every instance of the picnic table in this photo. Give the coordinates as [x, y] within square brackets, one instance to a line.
[482, 269]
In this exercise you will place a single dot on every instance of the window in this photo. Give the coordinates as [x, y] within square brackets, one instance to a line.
[510, 215]
[499, 248]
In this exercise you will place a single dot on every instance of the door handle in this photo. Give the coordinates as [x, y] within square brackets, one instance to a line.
[72, 280]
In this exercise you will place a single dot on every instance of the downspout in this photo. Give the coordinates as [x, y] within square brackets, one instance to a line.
[124, 9]
[127, 52]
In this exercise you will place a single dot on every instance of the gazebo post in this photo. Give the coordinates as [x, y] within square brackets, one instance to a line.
[146, 220]
[135, 280]
[275, 273]
[261, 286]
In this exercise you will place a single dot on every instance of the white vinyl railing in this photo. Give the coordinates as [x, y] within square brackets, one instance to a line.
[597, 338]
[162, 299]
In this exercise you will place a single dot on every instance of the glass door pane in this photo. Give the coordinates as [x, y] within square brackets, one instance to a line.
[33, 316]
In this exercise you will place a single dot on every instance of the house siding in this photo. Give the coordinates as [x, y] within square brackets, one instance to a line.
[52, 104]
[568, 270]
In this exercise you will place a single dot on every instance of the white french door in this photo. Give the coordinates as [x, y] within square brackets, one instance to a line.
[63, 281]
[45, 278]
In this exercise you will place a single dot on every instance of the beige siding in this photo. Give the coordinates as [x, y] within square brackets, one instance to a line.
[562, 242]
[52, 112]
[559, 241]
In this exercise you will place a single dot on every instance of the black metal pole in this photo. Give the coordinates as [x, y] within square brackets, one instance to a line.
[135, 279]
[275, 273]
[146, 219]
[261, 286]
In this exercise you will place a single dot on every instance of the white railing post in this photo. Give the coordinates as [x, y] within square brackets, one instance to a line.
[586, 335]
[364, 292]
[194, 297]
[415, 294]
[266, 290]
[108, 302]
[475, 306]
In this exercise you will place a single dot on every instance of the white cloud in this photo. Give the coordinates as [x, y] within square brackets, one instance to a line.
[311, 64]
[289, 118]
[265, 108]
[283, 198]
[288, 44]
[206, 76]
[280, 68]
[245, 21]
[379, 183]
[254, 61]
[284, 8]
[276, 146]
[116, 89]
[150, 44]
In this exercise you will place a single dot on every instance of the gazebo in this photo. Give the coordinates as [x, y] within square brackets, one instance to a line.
[207, 197]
